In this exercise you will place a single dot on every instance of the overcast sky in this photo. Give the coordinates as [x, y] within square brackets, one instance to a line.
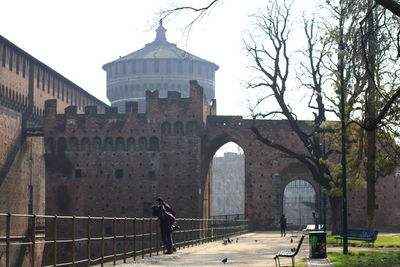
[77, 37]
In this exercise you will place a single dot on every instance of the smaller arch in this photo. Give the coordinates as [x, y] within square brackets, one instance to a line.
[97, 144]
[120, 144]
[49, 146]
[166, 128]
[131, 144]
[154, 144]
[178, 128]
[61, 145]
[73, 144]
[108, 144]
[142, 146]
[85, 144]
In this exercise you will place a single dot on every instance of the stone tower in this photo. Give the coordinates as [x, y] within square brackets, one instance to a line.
[161, 66]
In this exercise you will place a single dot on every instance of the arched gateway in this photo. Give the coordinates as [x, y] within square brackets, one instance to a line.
[115, 164]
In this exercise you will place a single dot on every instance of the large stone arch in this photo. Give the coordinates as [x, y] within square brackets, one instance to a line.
[266, 171]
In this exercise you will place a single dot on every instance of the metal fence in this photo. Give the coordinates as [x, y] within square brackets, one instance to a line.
[51, 240]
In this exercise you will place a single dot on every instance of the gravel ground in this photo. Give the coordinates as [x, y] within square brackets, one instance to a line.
[253, 249]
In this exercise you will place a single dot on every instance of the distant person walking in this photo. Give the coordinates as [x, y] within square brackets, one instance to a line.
[282, 223]
[166, 217]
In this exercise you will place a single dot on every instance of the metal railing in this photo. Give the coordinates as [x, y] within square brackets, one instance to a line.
[86, 241]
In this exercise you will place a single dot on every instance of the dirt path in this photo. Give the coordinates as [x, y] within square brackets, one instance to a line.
[253, 249]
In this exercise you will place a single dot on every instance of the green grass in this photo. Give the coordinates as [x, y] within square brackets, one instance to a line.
[367, 258]
[381, 242]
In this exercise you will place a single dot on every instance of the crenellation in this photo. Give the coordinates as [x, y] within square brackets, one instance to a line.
[71, 110]
[90, 110]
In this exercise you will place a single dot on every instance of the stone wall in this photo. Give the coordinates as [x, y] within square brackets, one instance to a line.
[22, 184]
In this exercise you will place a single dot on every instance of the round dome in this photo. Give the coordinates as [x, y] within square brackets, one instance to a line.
[161, 66]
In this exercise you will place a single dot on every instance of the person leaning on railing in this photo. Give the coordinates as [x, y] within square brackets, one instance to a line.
[166, 216]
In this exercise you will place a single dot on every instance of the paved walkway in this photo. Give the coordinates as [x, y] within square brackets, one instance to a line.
[253, 249]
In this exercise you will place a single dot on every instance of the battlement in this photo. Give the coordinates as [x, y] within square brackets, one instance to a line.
[194, 107]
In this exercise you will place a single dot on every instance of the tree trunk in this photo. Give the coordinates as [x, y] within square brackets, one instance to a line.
[370, 118]
[336, 207]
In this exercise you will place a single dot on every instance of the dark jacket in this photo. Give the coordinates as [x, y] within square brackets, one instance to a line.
[160, 212]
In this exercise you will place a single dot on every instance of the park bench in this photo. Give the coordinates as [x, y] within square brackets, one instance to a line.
[311, 227]
[289, 253]
[360, 235]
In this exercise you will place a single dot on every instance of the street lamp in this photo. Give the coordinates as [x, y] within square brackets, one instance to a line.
[342, 52]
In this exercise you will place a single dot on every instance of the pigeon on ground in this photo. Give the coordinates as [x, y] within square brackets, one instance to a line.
[225, 242]
[225, 260]
[237, 239]
[229, 240]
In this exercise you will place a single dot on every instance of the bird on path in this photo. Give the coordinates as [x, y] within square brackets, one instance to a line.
[229, 240]
[225, 242]
[224, 260]
[291, 240]
[237, 239]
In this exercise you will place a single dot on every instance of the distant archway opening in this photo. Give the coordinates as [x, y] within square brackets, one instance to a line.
[299, 203]
[228, 181]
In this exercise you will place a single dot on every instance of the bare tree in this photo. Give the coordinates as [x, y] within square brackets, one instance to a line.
[272, 62]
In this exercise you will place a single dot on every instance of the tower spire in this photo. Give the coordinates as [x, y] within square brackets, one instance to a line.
[160, 37]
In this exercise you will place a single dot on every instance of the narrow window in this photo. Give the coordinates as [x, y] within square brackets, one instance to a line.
[23, 67]
[37, 77]
[151, 175]
[191, 66]
[119, 173]
[168, 66]
[11, 60]
[17, 67]
[156, 66]
[134, 67]
[78, 173]
[180, 67]
[144, 66]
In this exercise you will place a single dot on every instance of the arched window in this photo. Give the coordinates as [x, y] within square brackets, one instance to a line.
[85, 144]
[97, 144]
[49, 146]
[165, 128]
[131, 145]
[154, 144]
[120, 144]
[73, 145]
[61, 145]
[142, 144]
[299, 202]
[191, 128]
[178, 128]
[108, 144]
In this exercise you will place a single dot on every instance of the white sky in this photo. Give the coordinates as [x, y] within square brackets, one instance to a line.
[77, 37]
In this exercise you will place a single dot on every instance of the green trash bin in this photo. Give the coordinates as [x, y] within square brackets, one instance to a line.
[317, 244]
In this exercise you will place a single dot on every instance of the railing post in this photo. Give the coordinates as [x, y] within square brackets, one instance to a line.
[143, 238]
[88, 248]
[102, 241]
[125, 240]
[8, 232]
[73, 240]
[33, 236]
[158, 240]
[55, 240]
[134, 239]
[150, 237]
[114, 241]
